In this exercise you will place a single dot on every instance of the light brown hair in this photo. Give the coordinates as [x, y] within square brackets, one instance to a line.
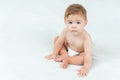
[76, 9]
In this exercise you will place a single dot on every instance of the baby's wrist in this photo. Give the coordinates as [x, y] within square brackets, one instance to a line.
[54, 53]
[84, 67]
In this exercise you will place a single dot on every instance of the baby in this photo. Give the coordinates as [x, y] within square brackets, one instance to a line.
[74, 44]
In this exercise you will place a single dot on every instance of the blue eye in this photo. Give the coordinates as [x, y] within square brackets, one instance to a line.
[78, 23]
[70, 22]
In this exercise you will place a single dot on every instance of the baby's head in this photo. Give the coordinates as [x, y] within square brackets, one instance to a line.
[76, 9]
[75, 17]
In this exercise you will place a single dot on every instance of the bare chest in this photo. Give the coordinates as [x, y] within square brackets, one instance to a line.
[76, 43]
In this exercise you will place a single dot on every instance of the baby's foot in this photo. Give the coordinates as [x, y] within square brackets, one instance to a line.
[65, 63]
[61, 58]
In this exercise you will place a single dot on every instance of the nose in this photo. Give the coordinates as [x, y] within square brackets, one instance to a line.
[73, 25]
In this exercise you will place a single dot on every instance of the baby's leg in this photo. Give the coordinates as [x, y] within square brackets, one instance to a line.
[76, 60]
[62, 53]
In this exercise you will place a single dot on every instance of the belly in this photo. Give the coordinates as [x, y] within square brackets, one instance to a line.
[76, 48]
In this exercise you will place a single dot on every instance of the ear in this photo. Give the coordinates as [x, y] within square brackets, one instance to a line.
[86, 21]
[65, 21]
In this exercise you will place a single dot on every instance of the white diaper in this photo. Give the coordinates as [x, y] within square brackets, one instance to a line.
[72, 52]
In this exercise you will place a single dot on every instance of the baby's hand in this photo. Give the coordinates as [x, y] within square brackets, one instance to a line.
[83, 72]
[51, 56]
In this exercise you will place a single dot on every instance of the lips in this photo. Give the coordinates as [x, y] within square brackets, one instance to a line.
[74, 30]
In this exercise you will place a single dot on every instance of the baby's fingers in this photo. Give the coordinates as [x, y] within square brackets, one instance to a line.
[82, 73]
[48, 57]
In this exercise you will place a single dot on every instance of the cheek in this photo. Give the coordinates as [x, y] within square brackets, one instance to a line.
[80, 29]
[68, 27]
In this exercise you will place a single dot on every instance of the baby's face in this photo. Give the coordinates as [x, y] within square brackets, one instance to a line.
[75, 23]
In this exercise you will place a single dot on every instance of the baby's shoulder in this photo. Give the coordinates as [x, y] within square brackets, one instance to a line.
[87, 35]
[64, 31]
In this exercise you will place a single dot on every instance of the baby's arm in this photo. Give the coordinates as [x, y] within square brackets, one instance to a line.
[88, 53]
[57, 46]
[87, 58]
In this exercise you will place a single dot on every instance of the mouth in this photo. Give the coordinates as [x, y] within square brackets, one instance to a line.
[74, 30]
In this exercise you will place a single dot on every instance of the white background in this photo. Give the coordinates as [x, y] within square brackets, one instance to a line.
[27, 30]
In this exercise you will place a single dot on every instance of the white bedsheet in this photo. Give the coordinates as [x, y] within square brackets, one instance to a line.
[27, 30]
